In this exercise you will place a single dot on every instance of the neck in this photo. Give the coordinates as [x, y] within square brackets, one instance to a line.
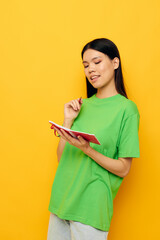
[104, 93]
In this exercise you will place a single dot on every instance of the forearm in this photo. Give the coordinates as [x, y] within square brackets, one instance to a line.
[114, 166]
[66, 123]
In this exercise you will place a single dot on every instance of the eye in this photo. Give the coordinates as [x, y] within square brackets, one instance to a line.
[95, 63]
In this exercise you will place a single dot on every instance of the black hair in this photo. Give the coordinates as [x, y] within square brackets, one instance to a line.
[107, 47]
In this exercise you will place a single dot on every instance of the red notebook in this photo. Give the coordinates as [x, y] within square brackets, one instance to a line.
[89, 137]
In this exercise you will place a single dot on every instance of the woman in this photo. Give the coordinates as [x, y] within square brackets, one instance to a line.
[89, 175]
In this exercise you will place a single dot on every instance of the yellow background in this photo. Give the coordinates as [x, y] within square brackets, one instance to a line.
[40, 70]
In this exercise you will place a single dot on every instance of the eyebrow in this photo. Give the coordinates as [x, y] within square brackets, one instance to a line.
[91, 59]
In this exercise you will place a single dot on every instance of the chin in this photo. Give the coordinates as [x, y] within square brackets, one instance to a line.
[96, 85]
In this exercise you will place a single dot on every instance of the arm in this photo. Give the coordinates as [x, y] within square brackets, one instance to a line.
[66, 123]
[119, 167]
[71, 111]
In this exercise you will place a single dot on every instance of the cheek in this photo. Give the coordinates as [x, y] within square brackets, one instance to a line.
[85, 72]
[106, 70]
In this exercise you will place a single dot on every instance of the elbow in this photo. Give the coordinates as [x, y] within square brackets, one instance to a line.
[124, 173]
[125, 167]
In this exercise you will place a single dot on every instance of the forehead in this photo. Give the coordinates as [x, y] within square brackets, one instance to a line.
[91, 54]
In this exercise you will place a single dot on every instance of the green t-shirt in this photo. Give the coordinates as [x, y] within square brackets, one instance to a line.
[82, 190]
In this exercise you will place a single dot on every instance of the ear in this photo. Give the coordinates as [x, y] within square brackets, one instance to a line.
[116, 62]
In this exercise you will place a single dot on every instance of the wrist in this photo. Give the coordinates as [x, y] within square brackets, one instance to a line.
[68, 122]
[87, 150]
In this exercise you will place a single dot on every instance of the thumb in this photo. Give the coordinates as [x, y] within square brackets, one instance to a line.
[81, 139]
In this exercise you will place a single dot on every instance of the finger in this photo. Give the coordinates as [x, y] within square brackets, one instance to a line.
[78, 104]
[68, 137]
[74, 104]
[71, 104]
[81, 139]
[56, 130]
[61, 134]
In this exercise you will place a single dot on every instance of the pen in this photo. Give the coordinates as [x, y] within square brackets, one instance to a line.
[80, 100]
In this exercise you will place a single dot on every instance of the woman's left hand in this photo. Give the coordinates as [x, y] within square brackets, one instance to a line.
[80, 143]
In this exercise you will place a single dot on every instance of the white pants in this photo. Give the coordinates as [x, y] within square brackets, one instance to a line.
[60, 229]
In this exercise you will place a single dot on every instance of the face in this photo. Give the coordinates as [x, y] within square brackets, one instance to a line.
[99, 68]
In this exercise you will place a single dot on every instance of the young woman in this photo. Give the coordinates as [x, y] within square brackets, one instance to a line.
[89, 175]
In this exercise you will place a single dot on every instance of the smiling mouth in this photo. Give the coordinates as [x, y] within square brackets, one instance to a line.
[94, 78]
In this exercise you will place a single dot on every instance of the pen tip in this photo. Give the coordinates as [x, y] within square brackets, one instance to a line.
[80, 100]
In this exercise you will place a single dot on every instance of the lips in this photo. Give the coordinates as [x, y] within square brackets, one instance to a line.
[94, 77]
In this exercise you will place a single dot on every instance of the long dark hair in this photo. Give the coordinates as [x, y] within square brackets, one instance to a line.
[107, 47]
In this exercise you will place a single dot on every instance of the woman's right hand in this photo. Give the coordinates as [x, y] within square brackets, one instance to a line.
[72, 109]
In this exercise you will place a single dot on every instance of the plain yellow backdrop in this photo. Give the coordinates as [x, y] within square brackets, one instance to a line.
[40, 70]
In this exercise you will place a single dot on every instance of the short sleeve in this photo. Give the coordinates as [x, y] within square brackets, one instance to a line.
[128, 144]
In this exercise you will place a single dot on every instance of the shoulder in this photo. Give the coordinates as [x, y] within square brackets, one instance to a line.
[130, 107]
[123, 104]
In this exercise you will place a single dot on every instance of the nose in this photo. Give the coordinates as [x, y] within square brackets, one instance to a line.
[91, 68]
